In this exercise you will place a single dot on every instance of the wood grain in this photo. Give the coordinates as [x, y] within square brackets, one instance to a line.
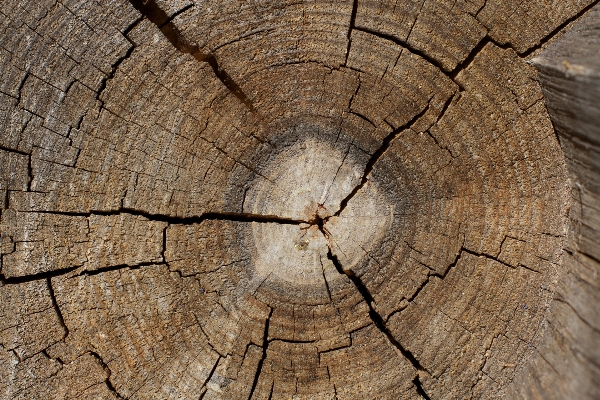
[306, 200]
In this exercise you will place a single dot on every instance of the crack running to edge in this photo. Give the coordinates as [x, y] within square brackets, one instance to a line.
[209, 216]
[16, 280]
[151, 10]
[376, 318]
[265, 346]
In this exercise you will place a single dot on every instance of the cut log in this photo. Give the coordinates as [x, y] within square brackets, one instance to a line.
[314, 200]
[567, 365]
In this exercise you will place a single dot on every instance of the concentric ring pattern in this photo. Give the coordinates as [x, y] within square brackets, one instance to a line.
[293, 199]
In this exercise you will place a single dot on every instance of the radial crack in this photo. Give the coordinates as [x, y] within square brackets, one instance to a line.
[176, 14]
[350, 28]
[209, 216]
[468, 60]
[325, 279]
[118, 267]
[385, 144]
[212, 371]
[130, 28]
[420, 389]
[8, 149]
[265, 346]
[326, 192]
[480, 9]
[164, 245]
[64, 271]
[109, 384]
[412, 27]
[113, 71]
[442, 113]
[374, 315]
[21, 85]
[151, 10]
[34, 277]
[57, 309]
[455, 96]
[29, 174]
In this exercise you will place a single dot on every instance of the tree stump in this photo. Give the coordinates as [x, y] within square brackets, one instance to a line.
[307, 200]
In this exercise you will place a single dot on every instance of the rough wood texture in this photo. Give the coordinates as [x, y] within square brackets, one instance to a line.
[568, 363]
[308, 200]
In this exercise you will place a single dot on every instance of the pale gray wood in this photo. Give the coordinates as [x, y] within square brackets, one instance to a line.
[567, 364]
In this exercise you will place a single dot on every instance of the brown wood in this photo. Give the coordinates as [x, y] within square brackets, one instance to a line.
[307, 200]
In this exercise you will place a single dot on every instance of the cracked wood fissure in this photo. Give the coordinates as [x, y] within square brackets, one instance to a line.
[265, 346]
[21, 85]
[385, 144]
[175, 15]
[377, 319]
[209, 216]
[350, 28]
[451, 267]
[476, 49]
[440, 276]
[158, 17]
[397, 142]
[67, 271]
[56, 308]
[559, 29]
[109, 384]
[420, 391]
[469, 60]
[451, 73]
[117, 64]
[210, 374]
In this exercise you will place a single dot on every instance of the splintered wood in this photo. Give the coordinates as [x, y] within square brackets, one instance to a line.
[273, 200]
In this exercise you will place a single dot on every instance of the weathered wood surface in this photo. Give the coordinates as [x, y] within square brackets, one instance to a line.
[568, 364]
[276, 200]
